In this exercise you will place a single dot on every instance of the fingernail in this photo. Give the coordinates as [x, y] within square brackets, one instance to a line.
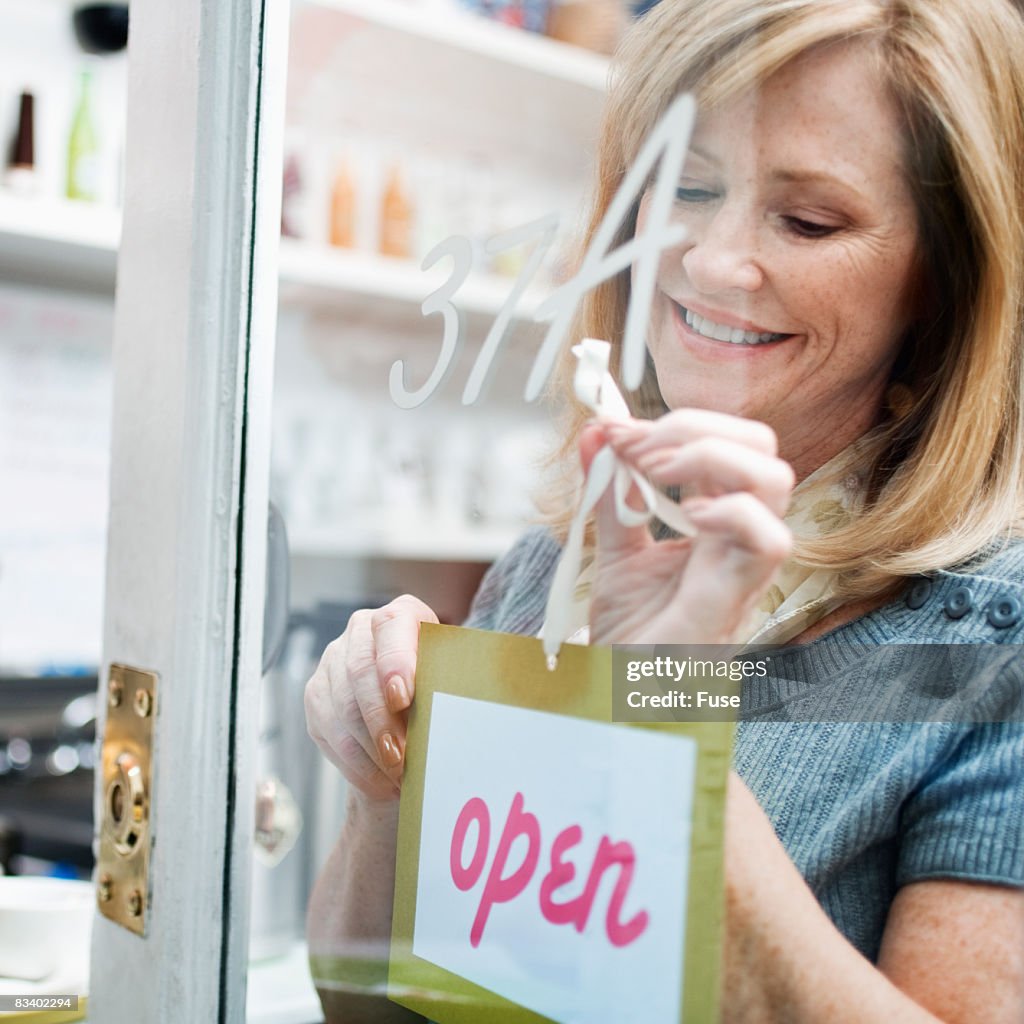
[655, 460]
[390, 752]
[396, 696]
[620, 433]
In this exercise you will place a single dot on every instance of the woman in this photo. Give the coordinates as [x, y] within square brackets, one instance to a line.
[844, 313]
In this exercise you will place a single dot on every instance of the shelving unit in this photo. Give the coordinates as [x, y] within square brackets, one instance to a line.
[459, 30]
[530, 105]
[64, 244]
[479, 87]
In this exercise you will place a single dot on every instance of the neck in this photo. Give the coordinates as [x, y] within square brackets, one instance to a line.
[808, 446]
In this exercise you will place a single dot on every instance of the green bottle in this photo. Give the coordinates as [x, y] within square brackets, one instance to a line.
[83, 149]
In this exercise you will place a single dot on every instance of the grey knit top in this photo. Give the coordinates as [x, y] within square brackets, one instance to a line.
[864, 807]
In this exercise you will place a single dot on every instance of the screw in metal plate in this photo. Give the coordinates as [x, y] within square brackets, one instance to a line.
[115, 693]
[106, 888]
[143, 702]
[135, 903]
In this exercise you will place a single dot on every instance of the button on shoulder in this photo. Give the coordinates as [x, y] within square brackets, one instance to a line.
[1004, 610]
[959, 601]
[919, 593]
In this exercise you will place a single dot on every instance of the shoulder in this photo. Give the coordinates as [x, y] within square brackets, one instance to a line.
[514, 592]
[980, 601]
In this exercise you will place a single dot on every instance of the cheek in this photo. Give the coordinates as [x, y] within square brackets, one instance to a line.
[861, 290]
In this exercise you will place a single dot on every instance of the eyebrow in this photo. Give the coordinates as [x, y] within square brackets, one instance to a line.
[794, 175]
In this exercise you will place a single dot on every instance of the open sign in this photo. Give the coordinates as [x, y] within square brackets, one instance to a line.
[505, 883]
[554, 858]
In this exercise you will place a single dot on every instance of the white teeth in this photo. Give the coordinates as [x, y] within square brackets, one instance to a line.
[719, 332]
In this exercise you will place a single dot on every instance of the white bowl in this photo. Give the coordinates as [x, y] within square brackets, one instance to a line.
[45, 926]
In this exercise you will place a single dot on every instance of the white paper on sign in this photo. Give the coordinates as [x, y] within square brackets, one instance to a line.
[627, 790]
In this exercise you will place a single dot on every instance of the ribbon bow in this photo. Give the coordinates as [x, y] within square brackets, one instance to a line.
[596, 388]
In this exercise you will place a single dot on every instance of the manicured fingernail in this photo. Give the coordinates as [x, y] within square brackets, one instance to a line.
[390, 752]
[396, 696]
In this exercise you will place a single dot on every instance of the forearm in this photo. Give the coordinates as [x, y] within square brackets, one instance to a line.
[796, 968]
[349, 920]
[785, 961]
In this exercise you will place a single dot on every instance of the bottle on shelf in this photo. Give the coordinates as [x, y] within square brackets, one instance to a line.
[21, 175]
[396, 218]
[291, 198]
[343, 207]
[83, 147]
[595, 25]
[529, 14]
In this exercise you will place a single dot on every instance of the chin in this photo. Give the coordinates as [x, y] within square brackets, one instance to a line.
[715, 396]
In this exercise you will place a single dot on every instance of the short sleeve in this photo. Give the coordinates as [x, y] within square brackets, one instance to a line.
[966, 820]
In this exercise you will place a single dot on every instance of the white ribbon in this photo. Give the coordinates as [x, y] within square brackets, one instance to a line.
[595, 388]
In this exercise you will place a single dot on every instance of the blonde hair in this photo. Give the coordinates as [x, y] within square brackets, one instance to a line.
[946, 468]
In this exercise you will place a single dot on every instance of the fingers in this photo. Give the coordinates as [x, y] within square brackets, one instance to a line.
[357, 699]
[707, 454]
[385, 693]
[336, 741]
[739, 546]
[713, 466]
[746, 525]
[396, 635]
[681, 426]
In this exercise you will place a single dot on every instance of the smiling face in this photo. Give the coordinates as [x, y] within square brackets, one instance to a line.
[790, 296]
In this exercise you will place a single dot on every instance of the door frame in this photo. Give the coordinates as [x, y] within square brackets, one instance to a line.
[195, 322]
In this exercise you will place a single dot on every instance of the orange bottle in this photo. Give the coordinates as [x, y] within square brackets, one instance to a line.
[343, 208]
[396, 218]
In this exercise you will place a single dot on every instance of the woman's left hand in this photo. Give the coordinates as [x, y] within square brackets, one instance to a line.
[699, 589]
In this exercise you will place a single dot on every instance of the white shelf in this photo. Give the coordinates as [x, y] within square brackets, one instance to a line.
[59, 243]
[67, 244]
[420, 541]
[462, 30]
[319, 276]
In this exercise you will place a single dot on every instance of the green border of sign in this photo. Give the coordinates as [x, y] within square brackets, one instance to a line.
[511, 670]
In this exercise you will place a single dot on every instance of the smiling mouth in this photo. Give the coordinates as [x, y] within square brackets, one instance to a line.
[722, 332]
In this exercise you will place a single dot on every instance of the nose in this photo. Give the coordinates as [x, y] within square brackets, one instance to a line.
[720, 254]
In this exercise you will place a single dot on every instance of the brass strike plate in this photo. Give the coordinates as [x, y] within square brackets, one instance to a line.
[123, 869]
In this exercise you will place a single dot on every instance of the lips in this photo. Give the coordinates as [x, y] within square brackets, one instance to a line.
[709, 328]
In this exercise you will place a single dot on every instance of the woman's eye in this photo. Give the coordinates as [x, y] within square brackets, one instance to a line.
[694, 195]
[810, 228]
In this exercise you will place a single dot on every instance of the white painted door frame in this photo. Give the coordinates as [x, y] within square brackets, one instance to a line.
[193, 357]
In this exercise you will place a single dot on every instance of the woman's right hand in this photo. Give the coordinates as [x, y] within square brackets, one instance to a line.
[358, 697]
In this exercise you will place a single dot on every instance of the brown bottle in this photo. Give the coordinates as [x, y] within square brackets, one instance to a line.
[21, 170]
[396, 219]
